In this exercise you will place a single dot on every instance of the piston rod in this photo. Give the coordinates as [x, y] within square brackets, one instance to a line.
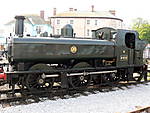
[83, 73]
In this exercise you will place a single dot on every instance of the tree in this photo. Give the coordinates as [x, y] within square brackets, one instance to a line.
[143, 28]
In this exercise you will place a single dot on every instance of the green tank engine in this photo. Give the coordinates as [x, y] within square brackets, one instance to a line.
[109, 55]
[107, 46]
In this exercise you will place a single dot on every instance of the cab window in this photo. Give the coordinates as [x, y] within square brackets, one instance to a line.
[130, 40]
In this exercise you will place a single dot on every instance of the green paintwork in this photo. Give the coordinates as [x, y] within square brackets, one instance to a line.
[50, 49]
[134, 55]
[123, 45]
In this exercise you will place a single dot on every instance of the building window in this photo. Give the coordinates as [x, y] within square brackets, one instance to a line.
[57, 31]
[71, 21]
[88, 32]
[58, 21]
[96, 22]
[38, 29]
[25, 29]
[13, 29]
[88, 21]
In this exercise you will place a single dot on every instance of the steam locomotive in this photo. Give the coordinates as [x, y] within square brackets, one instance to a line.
[36, 63]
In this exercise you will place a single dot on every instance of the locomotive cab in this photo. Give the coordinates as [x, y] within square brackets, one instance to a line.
[129, 49]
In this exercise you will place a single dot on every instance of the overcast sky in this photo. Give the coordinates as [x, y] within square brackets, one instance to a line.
[125, 9]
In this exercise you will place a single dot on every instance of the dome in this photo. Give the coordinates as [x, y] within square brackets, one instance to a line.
[67, 31]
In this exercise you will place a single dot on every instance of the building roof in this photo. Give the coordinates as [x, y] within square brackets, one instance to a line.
[86, 14]
[35, 19]
[32, 19]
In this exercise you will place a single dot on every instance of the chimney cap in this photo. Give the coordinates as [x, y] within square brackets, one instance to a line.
[54, 11]
[19, 17]
[92, 8]
[75, 9]
[42, 14]
[113, 12]
[70, 9]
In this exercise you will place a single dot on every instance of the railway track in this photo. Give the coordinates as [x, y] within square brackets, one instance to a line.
[25, 97]
[141, 110]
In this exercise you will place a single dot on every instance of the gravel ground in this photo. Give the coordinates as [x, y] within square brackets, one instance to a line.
[119, 101]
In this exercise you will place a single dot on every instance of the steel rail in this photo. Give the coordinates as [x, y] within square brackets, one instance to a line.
[57, 91]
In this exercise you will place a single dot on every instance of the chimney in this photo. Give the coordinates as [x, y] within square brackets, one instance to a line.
[54, 11]
[19, 25]
[70, 9]
[92, 8]
[75, 9]
[42, 14]
[113, 12]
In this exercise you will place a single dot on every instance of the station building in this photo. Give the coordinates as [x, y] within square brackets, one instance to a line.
[83, 22]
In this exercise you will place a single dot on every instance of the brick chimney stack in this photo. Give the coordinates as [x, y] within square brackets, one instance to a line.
[70, 9]
[92, 8]
[42, 14]
[113, 12]
[54, 11]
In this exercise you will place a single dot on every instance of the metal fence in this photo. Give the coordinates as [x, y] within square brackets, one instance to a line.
[146, 52]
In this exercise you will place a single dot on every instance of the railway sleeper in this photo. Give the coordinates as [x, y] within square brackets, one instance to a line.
[28, 97]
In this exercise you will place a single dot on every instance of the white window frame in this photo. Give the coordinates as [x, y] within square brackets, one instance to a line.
[58, 21]
[88, 32]
[71, 21]
[88, 22]
[96, 22]
[57, 31]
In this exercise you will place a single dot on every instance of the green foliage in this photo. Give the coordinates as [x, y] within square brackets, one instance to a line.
[143, 28]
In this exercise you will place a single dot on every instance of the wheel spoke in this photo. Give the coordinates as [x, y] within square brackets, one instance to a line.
[34, 86]
[35, 82]
[80, 80]
[76, 82]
